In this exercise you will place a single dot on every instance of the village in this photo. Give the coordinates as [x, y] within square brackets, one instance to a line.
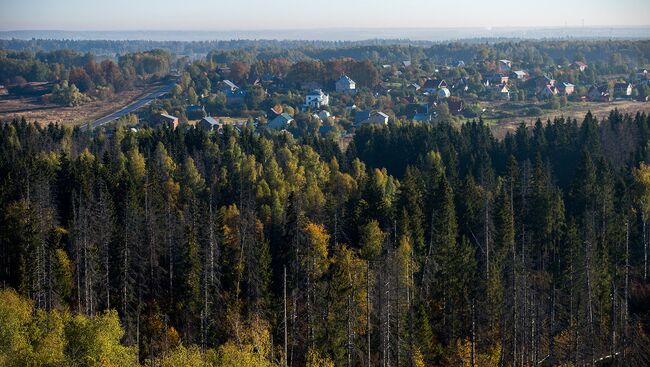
[405, 91]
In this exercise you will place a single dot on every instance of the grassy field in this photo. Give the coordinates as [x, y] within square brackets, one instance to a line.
[577, 110]
[33, 110]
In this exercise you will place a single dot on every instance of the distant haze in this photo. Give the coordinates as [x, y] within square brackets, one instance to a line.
[345, 34]
[269, 15]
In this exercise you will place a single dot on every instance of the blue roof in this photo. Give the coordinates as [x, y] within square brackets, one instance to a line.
[421, 117]
[361, 116]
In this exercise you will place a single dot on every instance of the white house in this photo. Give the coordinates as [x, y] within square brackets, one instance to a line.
[622, 89]
[345, 84]
[443, 93]
[316, 99]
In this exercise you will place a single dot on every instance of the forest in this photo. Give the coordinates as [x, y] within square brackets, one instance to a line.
[421, 244]
[81, 72]
[530, 52]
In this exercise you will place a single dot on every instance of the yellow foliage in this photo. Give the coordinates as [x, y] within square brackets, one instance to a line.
[318, 240]
[314, 359]
[642, 178]
[418, 358]
[181, 357]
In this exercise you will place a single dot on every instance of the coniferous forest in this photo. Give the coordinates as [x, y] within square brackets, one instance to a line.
[418, 245]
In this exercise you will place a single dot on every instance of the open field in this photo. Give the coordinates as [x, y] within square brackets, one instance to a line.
[575, 110]
[44, 113]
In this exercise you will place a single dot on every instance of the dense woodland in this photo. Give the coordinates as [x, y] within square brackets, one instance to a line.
[79, 77]
[420, 245]
[374, 50]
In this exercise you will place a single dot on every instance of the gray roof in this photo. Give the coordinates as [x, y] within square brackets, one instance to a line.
[230, 84]
[169, 116]
[210, 120]
[280, 121]
[346, 79]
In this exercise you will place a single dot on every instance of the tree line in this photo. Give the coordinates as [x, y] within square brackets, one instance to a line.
[419, 245]
[84, 72]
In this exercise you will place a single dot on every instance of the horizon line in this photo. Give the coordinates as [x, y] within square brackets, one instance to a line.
[335, 28]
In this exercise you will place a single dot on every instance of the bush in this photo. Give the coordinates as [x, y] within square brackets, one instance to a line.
[68, 95]
[534, 111]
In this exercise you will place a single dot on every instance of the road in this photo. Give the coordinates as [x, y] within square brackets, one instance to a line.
[133, 106]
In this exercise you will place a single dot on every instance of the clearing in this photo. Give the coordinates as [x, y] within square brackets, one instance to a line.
[577, 110]
[34, 110]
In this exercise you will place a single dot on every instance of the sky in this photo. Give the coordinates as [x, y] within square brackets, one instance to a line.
[213, 15]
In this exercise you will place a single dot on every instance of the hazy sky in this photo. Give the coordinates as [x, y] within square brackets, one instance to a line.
[299, 14]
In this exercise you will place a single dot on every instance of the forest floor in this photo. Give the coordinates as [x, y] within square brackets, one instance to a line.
[576, 110]
[35, 110]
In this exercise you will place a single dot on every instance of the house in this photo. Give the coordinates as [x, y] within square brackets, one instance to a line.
[378, 118]
[455, 106]
[598, 93]
[382, 89]
[194, 112]
[275, 111]
[324, 115]
[227, 87]
[236, 97]
[361, 116]
[432, 85]
[519, 75]
[210, 124]
[406, 63]
[443, 93]
[622, 89]
[167, 120]
[345, 85]
[501, 91]
[566, 89]
[505, 65]
[316, 99]
[418, 112]
[547, 92]
[543, 81]
[579, 65]
[500, 78]
[280, 122]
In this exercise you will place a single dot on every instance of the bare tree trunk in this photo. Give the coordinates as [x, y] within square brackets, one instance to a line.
[285, 317]
[487, 241]
[590, 309]
[349, 336]
[473, 332]
[514, 302]
[170, 271]
[399, 314]
[368, 308]
[627, 283]
[645, 250]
